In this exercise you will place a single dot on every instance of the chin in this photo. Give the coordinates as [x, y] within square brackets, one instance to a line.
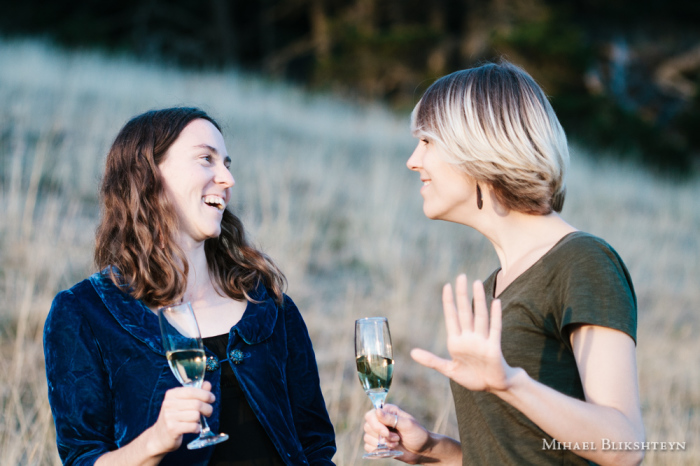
[432, 215]
[214, 233]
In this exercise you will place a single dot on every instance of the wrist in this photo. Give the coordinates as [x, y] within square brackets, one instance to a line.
[441, 449]
[516, 377]
[153, 447]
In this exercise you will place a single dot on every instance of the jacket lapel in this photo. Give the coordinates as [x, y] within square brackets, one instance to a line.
[133, 316]
[259, 318]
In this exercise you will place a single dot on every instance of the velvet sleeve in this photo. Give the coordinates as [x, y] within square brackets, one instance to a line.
[311, 419]
[79, 392]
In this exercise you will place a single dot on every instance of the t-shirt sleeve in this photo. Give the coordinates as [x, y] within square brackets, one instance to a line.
[597, 289]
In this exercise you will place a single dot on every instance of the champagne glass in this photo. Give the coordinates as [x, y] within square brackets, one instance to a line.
[186, 358]
[375, 365]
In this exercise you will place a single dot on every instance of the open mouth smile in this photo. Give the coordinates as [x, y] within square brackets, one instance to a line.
[214, 201]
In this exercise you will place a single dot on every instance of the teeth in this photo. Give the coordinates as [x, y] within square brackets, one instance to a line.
[426, 183]
[215, 201]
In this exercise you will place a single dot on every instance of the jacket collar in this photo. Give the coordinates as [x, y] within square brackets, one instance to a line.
[133, 315]
[256, 325]
[259, 318]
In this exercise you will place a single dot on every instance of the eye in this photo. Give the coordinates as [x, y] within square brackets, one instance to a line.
[207, 158]
[227, 163]
[425, 141]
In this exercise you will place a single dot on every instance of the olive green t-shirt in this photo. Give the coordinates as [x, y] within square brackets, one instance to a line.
[581, 280]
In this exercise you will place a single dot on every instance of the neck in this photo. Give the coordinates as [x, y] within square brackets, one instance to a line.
[199, 283]
[519, 239]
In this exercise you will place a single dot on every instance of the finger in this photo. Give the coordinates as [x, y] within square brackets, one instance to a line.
[428, 359]
[188, 405]
[463, 305]
[183, 416]
[395, 423]
[191, 393]
[178, 428]
[206, 409]
[206, 386]
[371, 440]
[496, 322]
[372, 423]
[448, 307]
[393, 409]
[481, 315]
[191, 427]
[370, 443]
[388, 421]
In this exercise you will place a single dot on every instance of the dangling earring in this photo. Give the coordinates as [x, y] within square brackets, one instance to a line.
[479, 201]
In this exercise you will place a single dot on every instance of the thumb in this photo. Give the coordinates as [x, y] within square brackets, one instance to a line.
[387, 417]
[428, 359]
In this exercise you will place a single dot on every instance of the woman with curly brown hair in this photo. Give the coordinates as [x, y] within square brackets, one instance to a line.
[166, 236]
[549, 376]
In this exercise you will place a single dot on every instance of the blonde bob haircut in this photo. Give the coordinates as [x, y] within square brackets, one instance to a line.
[495, 123]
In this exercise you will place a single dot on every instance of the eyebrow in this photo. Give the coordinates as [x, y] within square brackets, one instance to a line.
[212, 149]
[207, 146]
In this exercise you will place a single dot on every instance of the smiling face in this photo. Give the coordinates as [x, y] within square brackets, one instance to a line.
[448, 193]
[197, 181]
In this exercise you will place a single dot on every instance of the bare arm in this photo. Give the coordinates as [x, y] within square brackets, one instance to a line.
[606, 362]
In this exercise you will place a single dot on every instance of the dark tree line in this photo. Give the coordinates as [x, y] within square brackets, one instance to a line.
[624, 76]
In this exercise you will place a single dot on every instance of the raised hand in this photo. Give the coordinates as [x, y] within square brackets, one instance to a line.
[473, 341]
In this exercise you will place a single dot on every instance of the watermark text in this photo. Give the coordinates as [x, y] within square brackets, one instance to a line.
[609, 445]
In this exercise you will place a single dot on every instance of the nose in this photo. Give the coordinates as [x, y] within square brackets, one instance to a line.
[224, 176]
[415, 161]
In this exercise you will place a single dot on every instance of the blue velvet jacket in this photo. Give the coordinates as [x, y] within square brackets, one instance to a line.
[107, 375]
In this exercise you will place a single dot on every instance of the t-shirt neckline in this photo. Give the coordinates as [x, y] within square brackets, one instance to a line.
[564, 239]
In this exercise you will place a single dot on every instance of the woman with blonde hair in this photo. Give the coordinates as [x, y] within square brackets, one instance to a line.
[167, 236]
[548, 376]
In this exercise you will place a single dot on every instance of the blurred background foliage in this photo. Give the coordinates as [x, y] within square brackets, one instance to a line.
[624, 76]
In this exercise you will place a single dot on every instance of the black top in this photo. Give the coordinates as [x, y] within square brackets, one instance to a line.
[248, 443]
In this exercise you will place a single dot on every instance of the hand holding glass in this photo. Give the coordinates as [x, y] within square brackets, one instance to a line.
[185, 353]
[375, 365]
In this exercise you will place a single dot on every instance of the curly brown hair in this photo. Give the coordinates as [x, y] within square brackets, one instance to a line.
[134, 238]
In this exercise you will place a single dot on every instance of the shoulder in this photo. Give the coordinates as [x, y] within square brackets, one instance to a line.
[581, 253]
[582, 245]
[78, 304]
[290, 310]
[294, 321]
[288, 304]
[72, 299]
[594, 285]
[72, 316]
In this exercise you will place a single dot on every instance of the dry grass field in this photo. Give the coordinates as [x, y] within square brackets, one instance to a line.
[322, 187]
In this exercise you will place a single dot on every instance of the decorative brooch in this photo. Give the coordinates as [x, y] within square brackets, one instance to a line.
[212, 364]
[235, 356]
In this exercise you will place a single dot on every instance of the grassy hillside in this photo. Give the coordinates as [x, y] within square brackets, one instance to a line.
[322, 187]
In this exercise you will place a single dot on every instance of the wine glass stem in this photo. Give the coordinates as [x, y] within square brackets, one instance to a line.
[379, 404]
[203, 427]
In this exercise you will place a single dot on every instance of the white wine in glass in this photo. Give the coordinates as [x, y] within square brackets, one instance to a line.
[375, 366]
[185, 353]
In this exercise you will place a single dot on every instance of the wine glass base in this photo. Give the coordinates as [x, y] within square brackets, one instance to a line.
[207, 440]
[381, 454]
